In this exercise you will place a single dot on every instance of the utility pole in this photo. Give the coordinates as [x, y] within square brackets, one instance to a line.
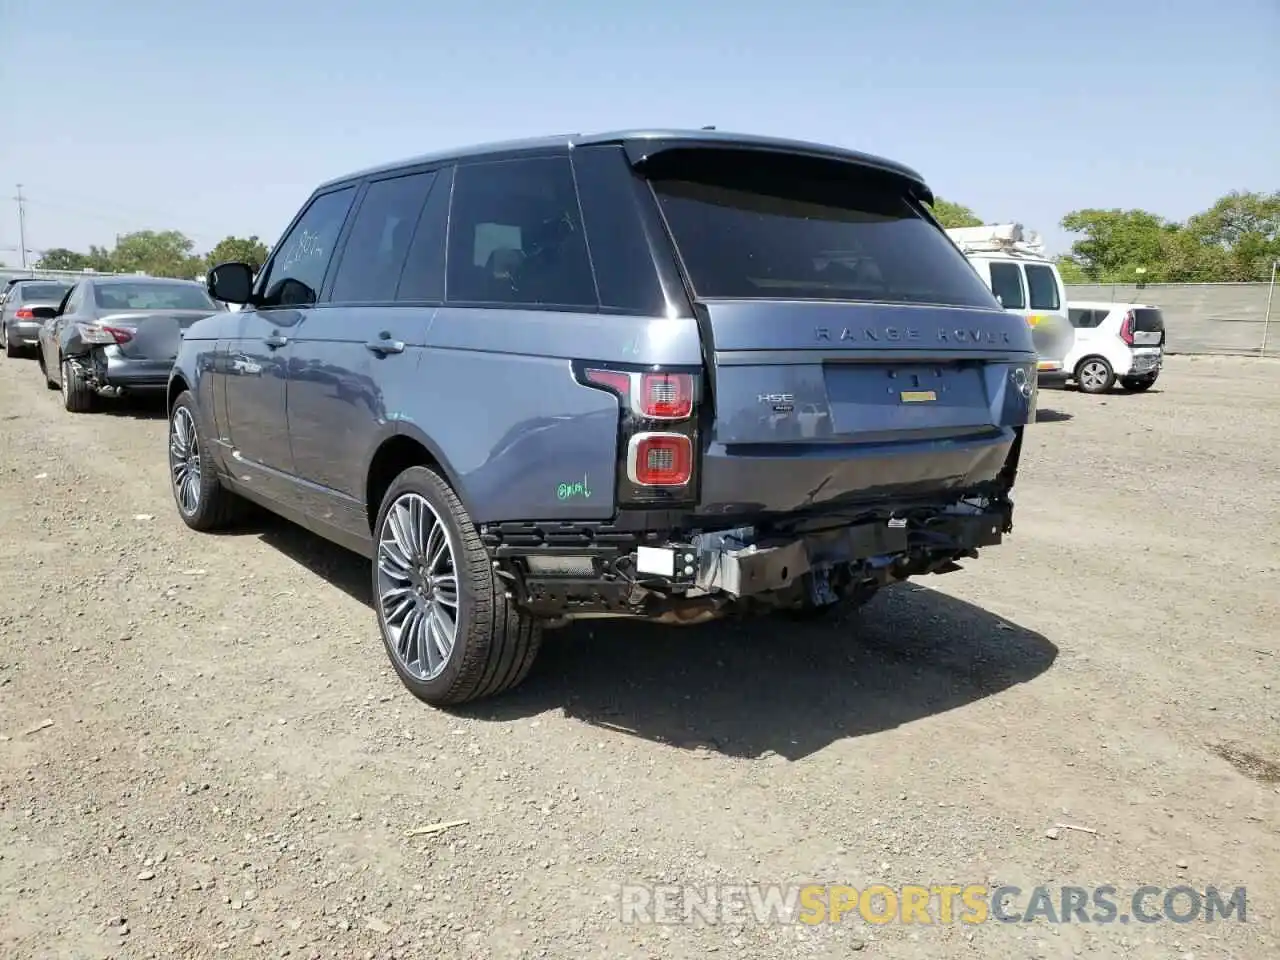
[22, 227]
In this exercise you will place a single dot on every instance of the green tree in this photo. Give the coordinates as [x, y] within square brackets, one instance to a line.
[251, 251]
[1239, 235]
[1116, 242]
[100, 259]
[165, 253]
[954, 215]
[60, 258]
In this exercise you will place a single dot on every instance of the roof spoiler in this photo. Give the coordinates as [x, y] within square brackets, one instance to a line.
[641, 150]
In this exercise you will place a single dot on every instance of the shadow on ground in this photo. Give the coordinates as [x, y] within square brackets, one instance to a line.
[139, 406]
[1047, 415]
[747, 688]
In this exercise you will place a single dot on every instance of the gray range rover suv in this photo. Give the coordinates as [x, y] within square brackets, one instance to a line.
[659, 374]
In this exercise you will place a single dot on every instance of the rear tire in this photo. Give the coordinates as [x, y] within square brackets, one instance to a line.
[10, 350]
[430, 570]
[1138, 384]
[1094, 375]
[202, 501]
[77, 397]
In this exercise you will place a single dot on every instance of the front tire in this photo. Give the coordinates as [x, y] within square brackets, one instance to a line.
[1094, 375]
[202, 501]
[77, 397]
[49, 382]
[450, 630]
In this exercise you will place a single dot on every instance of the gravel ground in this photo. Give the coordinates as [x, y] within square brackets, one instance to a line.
[203, 751]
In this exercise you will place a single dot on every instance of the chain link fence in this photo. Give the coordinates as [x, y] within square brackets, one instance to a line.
[1207, 318]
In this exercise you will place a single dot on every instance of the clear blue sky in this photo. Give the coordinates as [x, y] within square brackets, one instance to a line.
[219, 118]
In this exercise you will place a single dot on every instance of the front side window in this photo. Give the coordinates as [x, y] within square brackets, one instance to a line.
[374, 253]
[296, 271]
[515, 236]
[1042, 285]
[1006, 283]
[140, 295]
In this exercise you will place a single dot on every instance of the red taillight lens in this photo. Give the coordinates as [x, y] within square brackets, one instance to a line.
[1126, 328]
[615, 380]
[655, 396]
[666, 396]
[660, 459]
[120, 334]
[25, 313]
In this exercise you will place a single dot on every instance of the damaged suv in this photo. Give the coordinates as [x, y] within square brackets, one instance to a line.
[659, 375]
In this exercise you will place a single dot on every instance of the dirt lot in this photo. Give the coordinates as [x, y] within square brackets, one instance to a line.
[203, 750]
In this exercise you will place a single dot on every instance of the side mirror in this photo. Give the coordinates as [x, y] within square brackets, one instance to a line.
[43, 313]
[231, 282]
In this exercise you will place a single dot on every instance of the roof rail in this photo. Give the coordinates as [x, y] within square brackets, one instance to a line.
[1007, 238]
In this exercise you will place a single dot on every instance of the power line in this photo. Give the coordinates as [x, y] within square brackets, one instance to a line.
[22, 227]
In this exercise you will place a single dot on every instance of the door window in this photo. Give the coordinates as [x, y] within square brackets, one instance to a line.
[374, 253]
[295, 274]
[1043, 287]
[1006, 283]
[515, 236]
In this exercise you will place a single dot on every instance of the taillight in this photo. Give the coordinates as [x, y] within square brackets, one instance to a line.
[660, 459]
[100, 334]
[25, 313]
[658, 432]
[1126, 328]
[654, 396]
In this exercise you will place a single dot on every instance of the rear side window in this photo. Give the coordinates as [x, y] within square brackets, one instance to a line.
[762, 226]
[1006, 283]
[1148, 320]
[374, 253]
[515, 236]
[1043, 287]
[1086, 319]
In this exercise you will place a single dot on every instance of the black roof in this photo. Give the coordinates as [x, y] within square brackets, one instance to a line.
[643, 143]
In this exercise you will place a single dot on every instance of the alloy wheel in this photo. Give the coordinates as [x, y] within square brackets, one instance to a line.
[184, 460]
[1093, 375]
[417, 586]
[65, 379]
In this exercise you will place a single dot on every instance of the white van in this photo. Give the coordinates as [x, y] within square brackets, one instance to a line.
[1012, 263]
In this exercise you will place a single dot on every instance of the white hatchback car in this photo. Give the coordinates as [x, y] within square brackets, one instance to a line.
[1115, 343]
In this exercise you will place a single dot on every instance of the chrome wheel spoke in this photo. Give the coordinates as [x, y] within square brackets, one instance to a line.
[184, 460]
[417, 586]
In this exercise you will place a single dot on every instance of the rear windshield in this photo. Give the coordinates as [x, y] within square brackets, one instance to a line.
[42, 292]
[757, 227]
[1148, 321]
[152, 296]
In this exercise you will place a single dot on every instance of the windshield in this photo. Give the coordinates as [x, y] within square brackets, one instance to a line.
[152, 296]
[768, 227]
[42, 292]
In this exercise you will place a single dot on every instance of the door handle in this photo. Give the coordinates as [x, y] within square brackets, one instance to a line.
[275, 340]
[384, 345]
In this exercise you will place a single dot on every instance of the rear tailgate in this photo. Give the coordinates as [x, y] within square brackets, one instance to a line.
[1148, 327]
[853, 352]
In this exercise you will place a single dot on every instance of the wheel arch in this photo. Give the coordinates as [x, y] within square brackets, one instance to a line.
[408, 447]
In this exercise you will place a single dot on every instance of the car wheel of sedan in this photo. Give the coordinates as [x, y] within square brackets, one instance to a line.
[10, 350]
[76, 395]
[202, 501]
[451, 632]
[1095, 375]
